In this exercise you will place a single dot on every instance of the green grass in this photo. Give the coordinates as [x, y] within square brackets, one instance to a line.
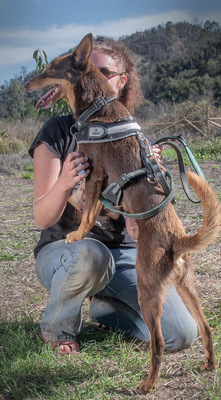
[205, 150]
[108, 366]
[28, 173]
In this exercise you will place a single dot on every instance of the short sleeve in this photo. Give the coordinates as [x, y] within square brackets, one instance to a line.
[55, 134]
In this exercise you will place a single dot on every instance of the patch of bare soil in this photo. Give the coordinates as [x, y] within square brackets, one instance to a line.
[21, 292]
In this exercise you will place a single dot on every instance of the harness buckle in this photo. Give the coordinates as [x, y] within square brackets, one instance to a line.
[99, 103]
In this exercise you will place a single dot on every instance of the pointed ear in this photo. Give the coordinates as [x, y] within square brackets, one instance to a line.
[83, 51]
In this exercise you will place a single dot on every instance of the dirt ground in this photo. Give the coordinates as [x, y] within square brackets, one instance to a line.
[20, 290]
[22, 293]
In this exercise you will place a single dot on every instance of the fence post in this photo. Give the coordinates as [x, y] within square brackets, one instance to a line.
[207, 120]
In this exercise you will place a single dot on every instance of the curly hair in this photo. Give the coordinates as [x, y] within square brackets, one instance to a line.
[130, 95]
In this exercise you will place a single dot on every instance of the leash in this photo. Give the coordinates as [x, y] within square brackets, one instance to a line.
[168, 140]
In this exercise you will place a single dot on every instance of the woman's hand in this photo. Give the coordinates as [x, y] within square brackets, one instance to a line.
[73, 165]
[157, 149]
[54, 182]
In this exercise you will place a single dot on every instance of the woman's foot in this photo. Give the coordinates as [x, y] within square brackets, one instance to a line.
[70, 347]
[98, 325]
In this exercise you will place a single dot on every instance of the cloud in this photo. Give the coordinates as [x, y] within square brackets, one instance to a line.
[13, 55]
[19, 45]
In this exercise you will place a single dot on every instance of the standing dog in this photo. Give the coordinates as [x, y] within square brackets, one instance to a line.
[162, 245]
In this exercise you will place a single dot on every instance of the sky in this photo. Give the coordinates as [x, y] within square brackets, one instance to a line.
[56, 26]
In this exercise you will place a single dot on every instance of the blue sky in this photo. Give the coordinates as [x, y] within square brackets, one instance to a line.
[56, 26]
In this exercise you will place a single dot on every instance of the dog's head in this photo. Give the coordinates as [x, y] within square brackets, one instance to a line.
[63, 73]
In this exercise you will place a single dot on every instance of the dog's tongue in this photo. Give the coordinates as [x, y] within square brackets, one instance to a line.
[46, 101]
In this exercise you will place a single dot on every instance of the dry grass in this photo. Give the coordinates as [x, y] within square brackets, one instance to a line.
[116, 377]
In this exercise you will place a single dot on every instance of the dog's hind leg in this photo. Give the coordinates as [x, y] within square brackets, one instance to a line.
[188, 293]
[157, 344]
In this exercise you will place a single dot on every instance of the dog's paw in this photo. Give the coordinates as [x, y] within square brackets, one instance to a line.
[210, 365]
[71, 237]
[145, 387]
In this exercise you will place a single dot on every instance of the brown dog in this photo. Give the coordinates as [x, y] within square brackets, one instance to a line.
[162, 246]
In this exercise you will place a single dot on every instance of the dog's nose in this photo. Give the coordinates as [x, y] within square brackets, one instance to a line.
[26, 85]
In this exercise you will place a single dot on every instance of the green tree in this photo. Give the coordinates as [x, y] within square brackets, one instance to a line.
[16, 99]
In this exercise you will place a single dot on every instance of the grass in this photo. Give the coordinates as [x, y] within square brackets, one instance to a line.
[30, 370]
[205, 150]
[110, 365]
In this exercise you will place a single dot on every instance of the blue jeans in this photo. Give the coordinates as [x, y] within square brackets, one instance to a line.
[87, 268]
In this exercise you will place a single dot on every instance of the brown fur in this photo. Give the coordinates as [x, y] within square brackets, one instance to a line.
[162, 245]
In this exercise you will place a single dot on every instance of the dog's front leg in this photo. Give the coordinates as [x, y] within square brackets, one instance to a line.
[91, 210]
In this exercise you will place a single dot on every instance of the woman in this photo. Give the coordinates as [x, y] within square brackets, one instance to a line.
[101, 267]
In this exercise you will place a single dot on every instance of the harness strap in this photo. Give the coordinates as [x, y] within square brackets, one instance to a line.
[151, 163]
[101, 132]
[146, 154]
[114, 191]
[112, 194]
[97, 105]
[145, 214]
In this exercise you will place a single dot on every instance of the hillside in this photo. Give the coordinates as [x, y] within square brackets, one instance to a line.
[179, 62]
[176, 63]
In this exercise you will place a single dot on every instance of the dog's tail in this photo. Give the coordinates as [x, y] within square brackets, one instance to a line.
[211, 227]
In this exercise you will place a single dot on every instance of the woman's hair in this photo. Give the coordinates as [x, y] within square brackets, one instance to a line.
[130, 95]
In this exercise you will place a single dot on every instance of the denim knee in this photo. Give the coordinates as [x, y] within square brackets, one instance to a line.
[182, 336]
[89, 256]
[87, 262]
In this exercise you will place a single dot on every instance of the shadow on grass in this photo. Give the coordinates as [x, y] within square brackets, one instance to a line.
[30, 370]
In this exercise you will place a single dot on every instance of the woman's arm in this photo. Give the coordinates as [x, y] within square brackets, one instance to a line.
[53, 183]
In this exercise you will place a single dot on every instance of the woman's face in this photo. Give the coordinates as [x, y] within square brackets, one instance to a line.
[102, 60]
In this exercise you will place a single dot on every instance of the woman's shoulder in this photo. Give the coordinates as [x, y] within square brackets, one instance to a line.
[56, 135]
[61, 124]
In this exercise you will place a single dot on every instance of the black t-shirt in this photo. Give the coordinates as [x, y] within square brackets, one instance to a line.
[55, 134]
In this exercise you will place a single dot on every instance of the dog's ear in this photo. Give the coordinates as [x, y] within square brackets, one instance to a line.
[83, 51]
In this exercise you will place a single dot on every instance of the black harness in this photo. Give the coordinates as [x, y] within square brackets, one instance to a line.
[100, 132]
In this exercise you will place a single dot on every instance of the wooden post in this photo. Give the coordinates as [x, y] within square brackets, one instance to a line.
[207, 120]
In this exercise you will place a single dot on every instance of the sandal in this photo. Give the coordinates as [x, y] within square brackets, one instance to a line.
[71, 347]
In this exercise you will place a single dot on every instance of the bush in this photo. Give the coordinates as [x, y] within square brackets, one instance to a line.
[7, 145]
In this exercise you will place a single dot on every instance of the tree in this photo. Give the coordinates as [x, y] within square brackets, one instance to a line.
[16, 100]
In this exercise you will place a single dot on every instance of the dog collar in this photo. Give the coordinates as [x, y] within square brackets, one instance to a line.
[97, 105]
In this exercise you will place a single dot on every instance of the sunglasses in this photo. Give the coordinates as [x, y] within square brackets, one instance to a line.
[108, 74]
